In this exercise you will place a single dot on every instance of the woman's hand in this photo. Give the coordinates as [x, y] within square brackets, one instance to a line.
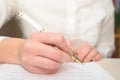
[44, 52]
[88, 53]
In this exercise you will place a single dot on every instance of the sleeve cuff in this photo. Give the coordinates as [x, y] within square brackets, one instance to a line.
[2, 38]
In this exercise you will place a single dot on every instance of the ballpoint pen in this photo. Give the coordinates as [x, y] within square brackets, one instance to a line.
[37, 27]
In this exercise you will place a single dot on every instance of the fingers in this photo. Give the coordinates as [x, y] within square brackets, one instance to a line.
[41, 64]
[69, 43]
[44, 54]
[39, 70]
[88, 53]
[65, 57]
[44, 50]
[45, 63]
[54, 39]
[83, 51]
[97, 57]
[48, 51]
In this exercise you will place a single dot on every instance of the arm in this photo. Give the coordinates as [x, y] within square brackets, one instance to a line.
[37, 54]
[9, 50]
[40, 53]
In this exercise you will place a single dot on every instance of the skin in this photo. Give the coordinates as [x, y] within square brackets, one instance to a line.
[40, 53]
[44, 55]
[88, 53]
[43, 52]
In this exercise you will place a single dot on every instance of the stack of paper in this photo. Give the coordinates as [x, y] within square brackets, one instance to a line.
[69, 71]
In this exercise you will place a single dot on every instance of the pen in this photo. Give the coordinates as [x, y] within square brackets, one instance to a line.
[37, 27]
[27, 19]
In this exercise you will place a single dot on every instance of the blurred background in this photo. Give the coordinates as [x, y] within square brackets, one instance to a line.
[14, 30]
[117, 28]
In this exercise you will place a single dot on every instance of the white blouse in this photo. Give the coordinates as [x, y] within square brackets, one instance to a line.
[91, 21]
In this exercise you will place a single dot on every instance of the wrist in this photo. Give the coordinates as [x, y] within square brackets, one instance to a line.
[10, 50]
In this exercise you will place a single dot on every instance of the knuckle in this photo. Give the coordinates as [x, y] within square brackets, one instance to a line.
[34, 35]
[59, 38]
[94, 51]
[58, 56]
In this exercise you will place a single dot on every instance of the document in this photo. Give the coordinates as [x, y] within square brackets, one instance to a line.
[69, 71]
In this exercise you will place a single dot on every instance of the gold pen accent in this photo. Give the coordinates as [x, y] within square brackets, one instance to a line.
[74, 56]
[37, 27]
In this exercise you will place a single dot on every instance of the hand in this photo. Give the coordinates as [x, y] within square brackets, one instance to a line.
[44, 52]
[88, 53]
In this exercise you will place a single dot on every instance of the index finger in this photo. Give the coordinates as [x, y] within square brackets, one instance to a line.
[49, 38]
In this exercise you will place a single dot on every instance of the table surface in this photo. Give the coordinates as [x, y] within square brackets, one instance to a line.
[112, 66]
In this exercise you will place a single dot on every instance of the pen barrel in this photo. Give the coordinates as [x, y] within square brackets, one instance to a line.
[27, 19]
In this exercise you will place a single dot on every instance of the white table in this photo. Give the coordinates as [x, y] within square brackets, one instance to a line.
[112, 66]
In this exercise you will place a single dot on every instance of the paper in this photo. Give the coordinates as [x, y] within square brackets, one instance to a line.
[69, 71]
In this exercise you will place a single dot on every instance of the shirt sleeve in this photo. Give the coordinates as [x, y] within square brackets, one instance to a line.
[97, 25]
[106, 43]
[7, 10]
